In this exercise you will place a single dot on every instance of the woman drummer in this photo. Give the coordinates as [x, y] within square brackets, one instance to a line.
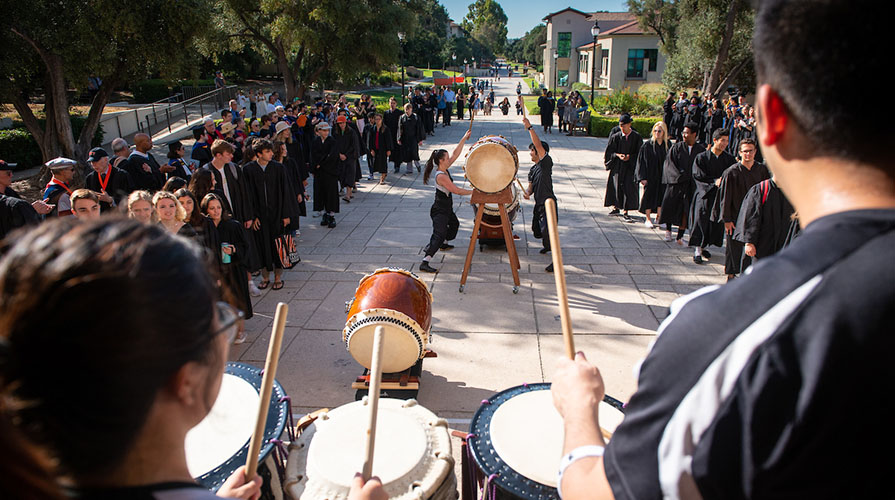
[110, 395]
[540, 184]
[444, 220]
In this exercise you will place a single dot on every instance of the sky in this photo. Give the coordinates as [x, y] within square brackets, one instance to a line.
[523, 15]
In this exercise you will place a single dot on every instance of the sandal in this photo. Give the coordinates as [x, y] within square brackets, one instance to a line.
[346, 200]
[277, 285]
[264, 284]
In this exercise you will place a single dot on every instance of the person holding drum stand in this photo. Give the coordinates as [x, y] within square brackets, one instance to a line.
[111, 409]
[444, 220]
[540, 184]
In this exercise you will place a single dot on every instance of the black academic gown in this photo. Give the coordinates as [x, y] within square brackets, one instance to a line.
[735, 183]
[150, 181]
[678, 178]
[118, 186]
[390, 119]
[410, 133]
[546, 106]
[707, 169]
[621, 190]
[347, 144]
[234, 275]
[268, 188]
[650, 160]
[296, 187]
[381, 143]
[765, 219]
[325, 165]
[15, 213]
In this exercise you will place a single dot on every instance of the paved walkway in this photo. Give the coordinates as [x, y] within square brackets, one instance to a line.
[621, 278]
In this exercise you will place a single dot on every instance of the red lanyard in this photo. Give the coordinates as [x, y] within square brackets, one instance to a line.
[105, 182]
[60, 183]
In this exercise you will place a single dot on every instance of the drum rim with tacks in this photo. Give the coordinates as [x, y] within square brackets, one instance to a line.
[427, 470]
[487, 183]
[491, 464]
[408, 338]
[273, 429]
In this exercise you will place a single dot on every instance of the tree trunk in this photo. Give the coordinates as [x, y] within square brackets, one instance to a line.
[289, 79]
[83, 146]
[724, 49]
[733, 74]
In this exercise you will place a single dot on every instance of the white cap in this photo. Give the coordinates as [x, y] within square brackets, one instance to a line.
[61, 163]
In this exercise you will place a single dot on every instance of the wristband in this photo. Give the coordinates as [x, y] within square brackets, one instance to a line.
[574, 456]
[529, 127]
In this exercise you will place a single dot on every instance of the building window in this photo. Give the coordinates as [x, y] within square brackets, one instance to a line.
[640, 58]
[604, 62]
[563, 78]
[564, 44]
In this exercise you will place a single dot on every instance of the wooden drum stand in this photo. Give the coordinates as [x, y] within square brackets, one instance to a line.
[501, 199]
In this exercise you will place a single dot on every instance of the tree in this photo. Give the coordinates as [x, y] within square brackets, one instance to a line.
[487, 23]
[708, 42]
[311, 40]
[426, 42]
[48, 47]
[528, 48]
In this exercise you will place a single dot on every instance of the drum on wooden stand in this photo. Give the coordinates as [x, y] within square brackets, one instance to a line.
[401, 303]
[491, 215]
[491, 164]
[412, 456]
[516, 440]
[219, 444]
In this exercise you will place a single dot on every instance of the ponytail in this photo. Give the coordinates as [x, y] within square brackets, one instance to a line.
[434, 158]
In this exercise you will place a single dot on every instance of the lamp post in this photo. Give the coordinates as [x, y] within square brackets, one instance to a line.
[465, 67]
[403, 92]
[454, 78]
[555, 71]
[595, 31]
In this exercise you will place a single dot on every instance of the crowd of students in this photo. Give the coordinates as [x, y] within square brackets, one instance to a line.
[701, 170]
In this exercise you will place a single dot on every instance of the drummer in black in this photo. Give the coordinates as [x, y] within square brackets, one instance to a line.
[540, 184]
[444, 220]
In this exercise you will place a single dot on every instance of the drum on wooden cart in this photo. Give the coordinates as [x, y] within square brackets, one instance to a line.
[491, 164]
[412, 455]
[491, 232]
[515, 444]
[401, 303]
[219, 444]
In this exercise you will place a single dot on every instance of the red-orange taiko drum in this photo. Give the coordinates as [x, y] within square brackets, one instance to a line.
[401, 303]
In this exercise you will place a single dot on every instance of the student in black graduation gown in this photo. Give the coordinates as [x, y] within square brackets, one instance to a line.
[678, 177]
[234, 250]
[15, 213]
[444, 221]
[381, 147]
[540, 185]
[348, 148]
[201, 152]
[708, 167]
[141, 165]
[648, 171]
[410, 138]
[764, 221]
[267, 185]
[668, 109]
[206, 234]
[110, 184]
[325, 166]
[296, 188]
[714, 120]
[620, 159]
[546, 104]
[175, 159]
[735, 183]
[390, 118]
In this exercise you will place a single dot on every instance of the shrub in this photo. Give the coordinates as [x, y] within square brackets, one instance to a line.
[580, 86]
[151, 90]
[17, 145]
[600, 126]
[385, 79]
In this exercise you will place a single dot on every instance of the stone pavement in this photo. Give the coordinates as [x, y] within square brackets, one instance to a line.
[621, 278]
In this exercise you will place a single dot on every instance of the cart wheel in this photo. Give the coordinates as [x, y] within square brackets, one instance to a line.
[462, 287]
[515, 289]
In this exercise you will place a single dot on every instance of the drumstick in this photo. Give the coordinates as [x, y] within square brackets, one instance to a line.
[520, 185]
[560, 276]
[471, 118]
[373, 399]
[270, 372]
[522, 100]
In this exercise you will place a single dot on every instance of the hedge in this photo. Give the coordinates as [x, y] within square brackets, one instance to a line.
[600, 126]
[17, 145]
[153, 90]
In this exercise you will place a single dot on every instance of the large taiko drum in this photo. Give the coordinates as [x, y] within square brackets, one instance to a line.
[412, 455]
[517, 438]
[491, 215]
[491, 164]
[219, 444]
[401, 303]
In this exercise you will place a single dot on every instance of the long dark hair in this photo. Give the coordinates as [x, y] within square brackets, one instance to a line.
[432, 163]
[88, 381]
[201, 183]
[196, 218]
[225, 214]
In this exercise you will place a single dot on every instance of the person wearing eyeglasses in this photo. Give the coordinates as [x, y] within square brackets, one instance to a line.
[444, 221]
[111, 394]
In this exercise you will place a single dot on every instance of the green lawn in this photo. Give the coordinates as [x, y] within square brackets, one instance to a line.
[429, 72]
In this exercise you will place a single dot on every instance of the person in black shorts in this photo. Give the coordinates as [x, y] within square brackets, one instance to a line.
[750, 390]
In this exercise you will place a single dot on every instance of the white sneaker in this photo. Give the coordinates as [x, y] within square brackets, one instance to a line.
[254, 291]
[316, 214]
[648, 223]
[667, 235]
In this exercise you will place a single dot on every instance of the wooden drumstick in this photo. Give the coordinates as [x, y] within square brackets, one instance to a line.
[520, 185]
[560, 276]
[373, 400]
[471, 118]
[522, 100]
[270, 372]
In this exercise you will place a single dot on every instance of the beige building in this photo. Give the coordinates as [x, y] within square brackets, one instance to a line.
[626, 55]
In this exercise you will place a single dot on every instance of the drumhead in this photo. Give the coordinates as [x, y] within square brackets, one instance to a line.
[403, 344]
[519, 436]
[412, 455]
[491, 166]
[219, 444]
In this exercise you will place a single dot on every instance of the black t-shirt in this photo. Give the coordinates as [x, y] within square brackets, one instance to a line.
[774, 385]
[541, 177]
